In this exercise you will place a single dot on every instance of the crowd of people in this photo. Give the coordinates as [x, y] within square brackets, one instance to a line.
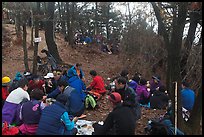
[24, 101]
[108, 46]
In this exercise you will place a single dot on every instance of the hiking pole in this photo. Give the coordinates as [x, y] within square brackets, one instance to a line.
[175, 107]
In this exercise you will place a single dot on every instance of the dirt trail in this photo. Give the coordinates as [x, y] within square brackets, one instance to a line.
[91, 58]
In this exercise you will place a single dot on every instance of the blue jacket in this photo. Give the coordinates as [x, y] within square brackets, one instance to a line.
[79, 85]
[75, 104]
[187, 98]
[72, 72]
[50, 121]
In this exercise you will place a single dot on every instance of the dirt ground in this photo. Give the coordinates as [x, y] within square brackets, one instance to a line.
[91, 58]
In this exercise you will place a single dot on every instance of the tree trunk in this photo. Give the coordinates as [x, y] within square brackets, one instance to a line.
[71, 35]
[107, 20]
[25, 48]
[36, 43]
[188, 43]
[31, 40]
[68, 22]
[96, 19]
[17, 21]
[51, 45]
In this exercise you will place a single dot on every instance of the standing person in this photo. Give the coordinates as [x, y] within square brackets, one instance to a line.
[13, 100]
[55, 119]
[30, 113]
[121, 121]
[97, 86]
[76, 71]
[142, 92]
[187, 96]
[5, 85]
[128, 95]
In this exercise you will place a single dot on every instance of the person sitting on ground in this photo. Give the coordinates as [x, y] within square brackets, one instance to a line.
[48, 83]
[155, 83]
[159, 99]
[30, 112]
[124, 73]
[137, 76]
[187, 96]
[55, 119]
[13, 100]
[14, 83]
[97, 86]
[6, 81]
[76, 71]
[142, 92]
[75, 104]
[28, 75]
[128, 95]
[121, 121]
[36, 83]
[57, 77]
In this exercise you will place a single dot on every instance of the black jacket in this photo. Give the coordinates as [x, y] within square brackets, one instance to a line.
[118, 122]
[159, 100]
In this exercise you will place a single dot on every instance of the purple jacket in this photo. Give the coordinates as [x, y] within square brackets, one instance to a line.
[142, 92]
[154, 85]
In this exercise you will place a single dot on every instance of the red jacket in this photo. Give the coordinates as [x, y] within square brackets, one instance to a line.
[5, 93]
[32, 85]
[98, 84]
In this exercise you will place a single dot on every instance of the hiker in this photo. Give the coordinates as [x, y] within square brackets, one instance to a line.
[155, 83]
[128, 95]
[30, 112]
[159, 99]
[36, 82]
[121, 121]
[97, 86]
[48, 83]
[57, 77]
[133, 84]
[124, 73]
[55, 119]
[6, 81]
[76, 71]
[142, 92]
[14, 98]
[51, 59]
[28, 75]
[187, 96]
[137, 76]
[14, 83]
[75, 104]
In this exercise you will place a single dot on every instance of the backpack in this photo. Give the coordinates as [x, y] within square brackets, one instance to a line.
[90, 102]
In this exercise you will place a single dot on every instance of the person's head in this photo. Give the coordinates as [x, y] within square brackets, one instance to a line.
[36, 79]
[143, 81]
[78, 65]
[36, 94]
[184, 84]
[156, 78]
[6, 81]
[115, 98]
[120, 83]
[136, 77]
[57, 74]
[62, 84]
[124, 73]
[23, 83]
[62, 98]
[93, 73]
